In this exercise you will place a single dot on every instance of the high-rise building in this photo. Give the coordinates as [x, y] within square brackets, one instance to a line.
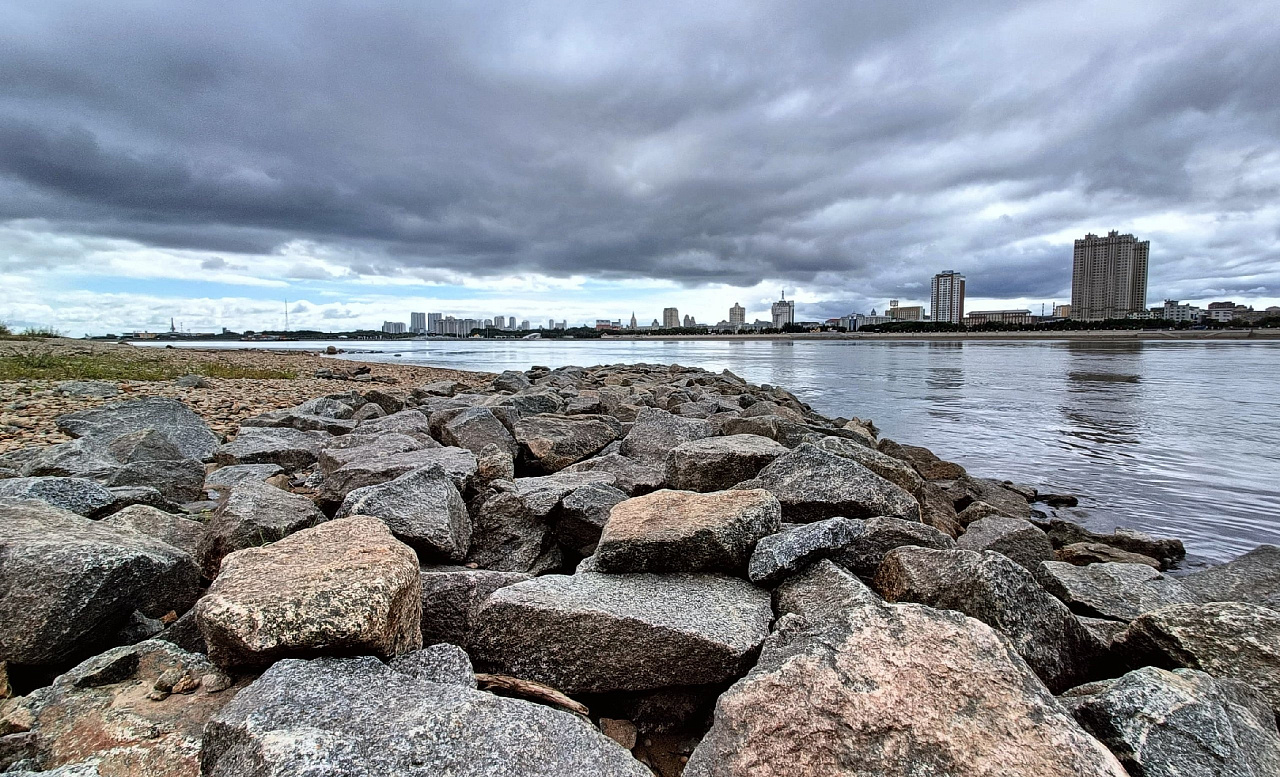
[418, 323]
[1062, 311]
[433, 323]
[689, 321]
[946, 297]
[499, 322]
[1109, 277]
[670, 318]
[784, 311]
[393, 327]
[737, 315]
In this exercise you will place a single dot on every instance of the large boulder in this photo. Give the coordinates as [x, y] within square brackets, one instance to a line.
[1012, 537]
[1119, 592]
[822, 591]
[654, 433]
[452, 596]
[360, 718]
[83, 458]
[862, 556]
[78, 495]
[717, 463]
[68, 583]
[410, 422]
[1001, 594]
[475, 427]
[813, 484]
[893, 690]
[134, 711]
[1226, 639]
[341, 451]
[1253, 577]
[510, 535]
[459, 463]
[252, 515]
[182, 533]
[631, 476]
[423, 509]
[896, 471]
[549, 442]
[345, 586]
[178, 480]
[291, 449]
[593, 632]
[780, 555]
[174, 420]
[683, 531]
[1182, 723]
[929, 466]
[582, 515]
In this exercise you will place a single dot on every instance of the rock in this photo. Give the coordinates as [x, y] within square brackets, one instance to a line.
[495, 463]
[1226, 639]
[1119, 592]
[128, 496]
[717, 463]
[938, 511]
[442, 663]
[1001, 594]
[84, 458]
[359, 718]
[142, 445]
[86, 388]
[881, 535]
[474, 428]
[1083, 553]
[511, 380]
[1012, 537]
[100, 711]
[928, 465]
[1166, 551]
[593, 632]
[582, 514]
[341, 451]
[654, 433]
[459, 463]
[893, 690]
[452, 596]
[67, 583]
[78, 495]
[368, 412]
[632, 477]
[895, 471]
[193, 381]
[1253, 577]
[185, 633]
[1104, 630]
[345, 586]
[170, 417]
[544, 494]
[780, 555]
[179, 480]
[182, 533]
[294, 418]
[683, 531]
[813, 484]
[440, 388]
[621, 731]
[1181, 723]
[390, 403]
[423, 509]
[549, 443]
[966, 490]
[253, 515]
[822, 591]
[976, 511]
[410, 422]
[509, 536]
[226, 477]
[291, 449]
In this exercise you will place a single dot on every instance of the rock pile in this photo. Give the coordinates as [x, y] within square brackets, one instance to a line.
[623, 570]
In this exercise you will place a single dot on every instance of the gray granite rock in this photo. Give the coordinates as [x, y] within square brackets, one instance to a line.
[226, 477]
[1119, 592]
[549, 442]
[474, 428]
[1012, 537]
[411, 422]
[440, 663]
[717, 463]
[780, 555]
[79, 495]
[510, 536]
[142, 445]
[1165, 550]
[1001, 594]
[178, 480]
[822, 591]
[511, 380]
[97, 389]
[631, 476]
[459, 463]
[83, 458]
[67, 583]
[1182, 723]
[581, 517]
[880, 535]
[182, 533]
[359, 718]
[175, 420]
[423, 509]
[453, 595]
[593, 632]
[654, 433]
[813, 484]
[895, 471]
[291, 449]
[253, 514]
[1253, 577]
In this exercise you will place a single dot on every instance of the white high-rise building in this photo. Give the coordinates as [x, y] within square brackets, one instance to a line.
[784, 311]
[737, 315]
[947, 297]
[433, 323]
[418, 323]
[393, 327]
[499, 322]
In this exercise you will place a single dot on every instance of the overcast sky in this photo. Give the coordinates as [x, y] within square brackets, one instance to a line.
[207, 161]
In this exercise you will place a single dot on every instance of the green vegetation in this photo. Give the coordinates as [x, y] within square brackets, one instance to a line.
[46, 365]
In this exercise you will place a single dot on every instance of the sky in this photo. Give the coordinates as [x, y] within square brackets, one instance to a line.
[214, 163]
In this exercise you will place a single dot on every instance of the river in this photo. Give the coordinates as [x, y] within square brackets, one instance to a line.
[1174, 438]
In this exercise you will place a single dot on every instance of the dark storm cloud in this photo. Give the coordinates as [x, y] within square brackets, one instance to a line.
[848, 146]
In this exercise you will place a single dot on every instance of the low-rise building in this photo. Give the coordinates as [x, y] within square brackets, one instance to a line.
[979, 317]
[1174, 311]
[393, 327]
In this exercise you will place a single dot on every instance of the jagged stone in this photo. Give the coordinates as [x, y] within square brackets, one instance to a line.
[938, 511]
[460, 464]
[717, 463]
[182, 533]
[78, 495]
[476, 427]
[341, 451]
[895, 471]
[1083, 553]
[1165, 550]
[452, 596]
[813, 484]
[345, 586]
[926, 463]
[654, 433]
[226, 477]
[179, 480]
[1013, 537]
[511, 380]
[880, 535]
[822, 591]
[1253, 577]
[83, 458]
[582, 514]
[291, 449]
[441, 663]
[1119, 592]
[782, 554]
[631, 476]
[170, 417]
[97, 389]
[510, 536]
[422, 508]
[593, 632]
[253, 515]
[549, 443]
[683, 531]
[411, 422]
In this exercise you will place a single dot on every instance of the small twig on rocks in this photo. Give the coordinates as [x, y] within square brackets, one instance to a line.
[528, 689]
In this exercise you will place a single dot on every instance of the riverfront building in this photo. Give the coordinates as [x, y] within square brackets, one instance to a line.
[670, 318]
[946, 297]
[737, 315]
[1109, 277]
[418, 323]
[784, 312]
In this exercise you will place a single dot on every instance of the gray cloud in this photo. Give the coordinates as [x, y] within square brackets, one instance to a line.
[849, 146]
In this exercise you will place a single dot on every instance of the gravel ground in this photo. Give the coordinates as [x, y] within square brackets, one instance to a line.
[28, 407]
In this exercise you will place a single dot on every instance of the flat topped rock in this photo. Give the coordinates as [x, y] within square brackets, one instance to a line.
[290, 448]
[813, 484]
[683, 531]
[1016, 538]
[359, 718]
[81, 496]
[717, 463]
[1253, 577]
[170, 417]
[1119, 592]
[593, 632]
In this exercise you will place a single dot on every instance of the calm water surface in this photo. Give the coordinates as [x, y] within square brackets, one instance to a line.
[1179, 438]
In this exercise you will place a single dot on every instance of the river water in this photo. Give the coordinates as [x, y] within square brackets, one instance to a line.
[1174, 438]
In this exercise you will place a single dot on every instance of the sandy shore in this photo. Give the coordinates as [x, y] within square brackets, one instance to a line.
[28, 407]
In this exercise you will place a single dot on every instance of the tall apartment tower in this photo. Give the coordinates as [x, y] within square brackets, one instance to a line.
[418, 323]
[737, 315]
[1109, 277]
[433, 323]
[784, 311]
[670, 318]
[947, 297]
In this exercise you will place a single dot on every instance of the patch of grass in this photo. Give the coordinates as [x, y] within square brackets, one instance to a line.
[45, 365]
